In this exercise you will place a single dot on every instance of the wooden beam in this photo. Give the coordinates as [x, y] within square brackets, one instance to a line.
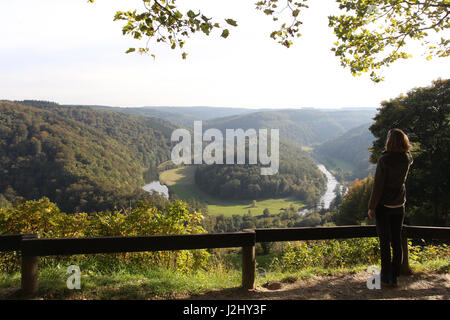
[30, 272]
[69, 246]
[426, 232]
[314, 233]
[249, 264]
[10, 242]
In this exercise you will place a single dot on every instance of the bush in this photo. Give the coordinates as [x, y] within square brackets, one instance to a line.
[348, 253]
[329, 254]
[45, 219]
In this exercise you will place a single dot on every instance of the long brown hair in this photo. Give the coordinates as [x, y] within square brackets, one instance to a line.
[397, 141]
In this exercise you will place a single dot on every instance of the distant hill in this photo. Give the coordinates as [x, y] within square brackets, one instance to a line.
[88, 158]
[180, 115]
[302, 127]
[203, 113]
[347, 154]
[82, 159]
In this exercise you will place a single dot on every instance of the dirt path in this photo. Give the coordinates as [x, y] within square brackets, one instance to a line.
[350, 286]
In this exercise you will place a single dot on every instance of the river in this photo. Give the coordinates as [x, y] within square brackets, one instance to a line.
[329, 195]
[324, 203]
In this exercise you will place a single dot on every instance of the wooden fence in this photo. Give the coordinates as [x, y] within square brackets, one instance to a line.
[33, 247]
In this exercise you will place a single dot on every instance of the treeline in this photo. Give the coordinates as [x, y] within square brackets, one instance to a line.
[298, 176]
[285, 219]
[81, 159]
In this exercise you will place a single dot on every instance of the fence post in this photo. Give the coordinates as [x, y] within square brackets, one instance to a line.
[30, 271]
[404, 268]
[249, 264]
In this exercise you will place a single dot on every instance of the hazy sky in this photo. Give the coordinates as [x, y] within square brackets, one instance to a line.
[72, 52]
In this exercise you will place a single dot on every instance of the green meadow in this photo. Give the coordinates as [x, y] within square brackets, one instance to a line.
[181, 182]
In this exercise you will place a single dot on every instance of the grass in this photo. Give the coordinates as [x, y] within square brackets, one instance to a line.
[307, 148]
[140, 281]
[181, 182]
[337, 163]
[161, 283]
[155, 283]
[181, 176]
[439, 265]
[218, 206]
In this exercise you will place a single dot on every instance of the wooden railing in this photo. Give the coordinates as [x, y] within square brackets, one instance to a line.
[33, 247]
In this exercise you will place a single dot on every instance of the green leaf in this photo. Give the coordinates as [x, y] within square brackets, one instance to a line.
[191, 14]
[231, 22]
[225, 33]
[130, 50]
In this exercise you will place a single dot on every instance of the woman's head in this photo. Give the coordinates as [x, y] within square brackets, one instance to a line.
[397, 141]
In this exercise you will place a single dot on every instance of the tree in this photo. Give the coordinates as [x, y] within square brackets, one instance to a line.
[424, 115]
[353, 209]
[373, 34]
[370, 33]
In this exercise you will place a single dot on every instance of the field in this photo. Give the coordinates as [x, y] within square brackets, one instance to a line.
[181, 182]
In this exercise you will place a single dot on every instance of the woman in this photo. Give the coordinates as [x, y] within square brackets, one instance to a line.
[387, 202]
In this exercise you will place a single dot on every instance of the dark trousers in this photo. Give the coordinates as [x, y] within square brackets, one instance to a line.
[389, 222]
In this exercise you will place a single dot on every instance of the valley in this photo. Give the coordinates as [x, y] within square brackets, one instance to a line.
[140, 138]
[182, 183]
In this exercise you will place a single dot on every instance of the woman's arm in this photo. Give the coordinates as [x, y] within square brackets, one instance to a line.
[378, 184]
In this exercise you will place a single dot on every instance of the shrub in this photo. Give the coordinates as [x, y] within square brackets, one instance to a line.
[45, 219]
[329, 254]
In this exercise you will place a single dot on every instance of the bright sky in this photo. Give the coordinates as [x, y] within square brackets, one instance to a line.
[72, 52]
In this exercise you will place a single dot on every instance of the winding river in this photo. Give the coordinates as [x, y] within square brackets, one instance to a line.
[325, 200]
[328, 196]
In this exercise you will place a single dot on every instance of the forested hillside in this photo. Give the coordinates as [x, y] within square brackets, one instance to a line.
[93, 158]
[298, 176]
[147, 137]
[299, 126]
[181, 115]
[348, 154]
[81, 159]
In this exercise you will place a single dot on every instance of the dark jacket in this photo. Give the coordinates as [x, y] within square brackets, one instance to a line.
[390, 176]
